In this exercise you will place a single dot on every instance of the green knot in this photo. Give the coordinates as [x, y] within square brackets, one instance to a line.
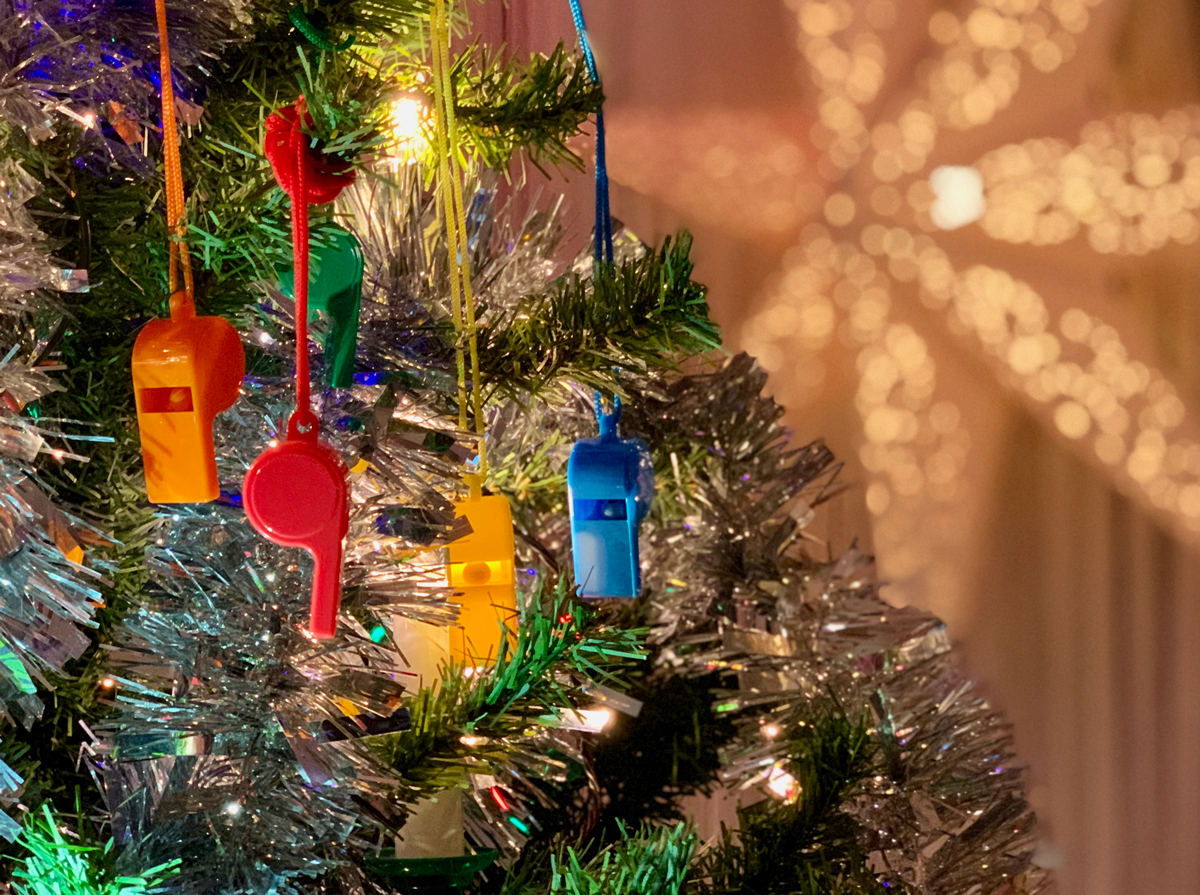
[315, 35]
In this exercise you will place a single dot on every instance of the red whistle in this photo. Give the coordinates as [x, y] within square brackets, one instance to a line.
[296, 495]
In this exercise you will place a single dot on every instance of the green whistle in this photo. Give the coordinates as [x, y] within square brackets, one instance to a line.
[335, 287]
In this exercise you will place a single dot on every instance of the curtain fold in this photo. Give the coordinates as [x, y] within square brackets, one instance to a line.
[1084, 630]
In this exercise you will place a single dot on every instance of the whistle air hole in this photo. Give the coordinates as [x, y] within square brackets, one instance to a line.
[475, 573]
[600, 510]
[169, 399]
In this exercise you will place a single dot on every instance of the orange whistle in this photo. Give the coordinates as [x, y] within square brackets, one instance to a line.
[186, 370]
[482, 570]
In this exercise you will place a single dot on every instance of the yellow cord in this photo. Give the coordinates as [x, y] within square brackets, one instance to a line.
[450, 177]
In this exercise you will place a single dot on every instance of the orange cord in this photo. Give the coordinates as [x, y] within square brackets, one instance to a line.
[176, 206]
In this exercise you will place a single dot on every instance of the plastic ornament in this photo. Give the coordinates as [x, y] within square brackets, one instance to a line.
[295, 492]
[483, 571]
[610, 485]
[186, 370]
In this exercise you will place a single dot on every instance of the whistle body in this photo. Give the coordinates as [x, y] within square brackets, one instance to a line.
[186, 370]
[609, 485]
[295, 493]
[482, 570]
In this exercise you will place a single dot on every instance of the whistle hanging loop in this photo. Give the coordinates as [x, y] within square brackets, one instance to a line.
[179, 258]
[608, 422]
[300, 265]
[602, 241]
[315, 35]
[307, 177]
[451, 206]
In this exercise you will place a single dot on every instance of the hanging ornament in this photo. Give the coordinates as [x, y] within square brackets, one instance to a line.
[482, 564]
[186, 369]
[295, 492]
[335, 288]
[483, 571]
[610, 485]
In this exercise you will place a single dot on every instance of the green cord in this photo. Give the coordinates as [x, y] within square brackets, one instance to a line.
[315, 35]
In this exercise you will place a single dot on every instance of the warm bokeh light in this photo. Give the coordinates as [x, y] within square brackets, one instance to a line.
[1132, 185]
[958, 196]
[782, 784]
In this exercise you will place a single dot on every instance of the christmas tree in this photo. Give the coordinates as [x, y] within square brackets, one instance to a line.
[526, 567]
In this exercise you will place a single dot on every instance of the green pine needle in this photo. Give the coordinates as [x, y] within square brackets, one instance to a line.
[653, 861]
[505, 105]
[829, 759]
[56, 866]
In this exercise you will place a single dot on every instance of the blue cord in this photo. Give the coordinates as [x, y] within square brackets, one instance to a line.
[608, 421]
[603, 238]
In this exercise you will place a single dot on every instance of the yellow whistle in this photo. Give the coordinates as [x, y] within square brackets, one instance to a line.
[186, 370]
[483, 571]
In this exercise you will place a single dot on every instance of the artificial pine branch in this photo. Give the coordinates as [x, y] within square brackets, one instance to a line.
[559, 639]
[644, 314]
[828, 759]
[505, 105]
[653, 861]
[56, 866]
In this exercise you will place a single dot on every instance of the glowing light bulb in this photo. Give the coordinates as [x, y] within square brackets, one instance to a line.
[596, 719]
[407, 119]
[233, 809]
[781, 783]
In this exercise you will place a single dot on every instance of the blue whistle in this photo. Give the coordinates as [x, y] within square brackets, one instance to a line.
[610, 484]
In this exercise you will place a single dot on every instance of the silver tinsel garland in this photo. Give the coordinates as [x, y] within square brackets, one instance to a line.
[736, 587]
[69, 65]
[735, 591]
[47, 597]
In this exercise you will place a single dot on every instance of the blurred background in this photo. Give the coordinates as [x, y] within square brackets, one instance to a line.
[962, 238]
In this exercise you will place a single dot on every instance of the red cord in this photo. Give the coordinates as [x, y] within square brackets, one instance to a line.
[306, 176]
[305, 418]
